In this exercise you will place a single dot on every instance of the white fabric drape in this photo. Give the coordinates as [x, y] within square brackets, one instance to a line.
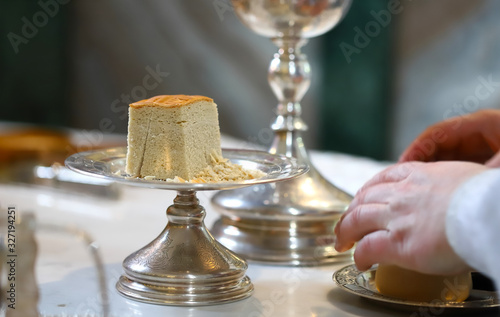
[473, 223]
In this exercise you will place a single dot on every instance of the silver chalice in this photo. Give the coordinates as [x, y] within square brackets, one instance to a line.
[289, 223]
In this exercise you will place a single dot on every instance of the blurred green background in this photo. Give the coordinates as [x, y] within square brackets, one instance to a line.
[87, 55]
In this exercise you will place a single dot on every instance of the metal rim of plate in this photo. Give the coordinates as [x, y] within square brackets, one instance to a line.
[185, 265]
[110, 164]
[356, 282]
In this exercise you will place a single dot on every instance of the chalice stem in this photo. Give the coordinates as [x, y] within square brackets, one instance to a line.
[289, 77]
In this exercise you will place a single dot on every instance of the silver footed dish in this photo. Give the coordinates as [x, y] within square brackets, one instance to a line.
[362, 284]
[185, 265]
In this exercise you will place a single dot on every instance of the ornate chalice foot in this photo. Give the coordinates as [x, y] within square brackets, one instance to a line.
[285, 223]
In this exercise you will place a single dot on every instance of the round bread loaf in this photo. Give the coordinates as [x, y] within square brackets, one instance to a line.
[401, 283]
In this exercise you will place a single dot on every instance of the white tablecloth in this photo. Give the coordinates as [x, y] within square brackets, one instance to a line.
[67, 277]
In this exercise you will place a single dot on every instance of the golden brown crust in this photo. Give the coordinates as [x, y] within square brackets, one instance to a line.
[170, 101]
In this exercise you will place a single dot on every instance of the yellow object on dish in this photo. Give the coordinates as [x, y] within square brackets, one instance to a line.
[401, 283]
[171, 136]
[176, 138]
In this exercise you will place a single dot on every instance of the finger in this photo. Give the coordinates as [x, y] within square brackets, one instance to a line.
[475, 148]
[362, 220]
[394, 173]
[414, 153]
[381, 193]
[440, 135]
[471, 137]
[376, 247]
[491, 129]
[494, 161]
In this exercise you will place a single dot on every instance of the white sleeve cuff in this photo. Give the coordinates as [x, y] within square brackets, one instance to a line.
[473, 223]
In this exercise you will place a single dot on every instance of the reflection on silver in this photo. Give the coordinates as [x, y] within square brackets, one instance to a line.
[261, 217]
[185, 265]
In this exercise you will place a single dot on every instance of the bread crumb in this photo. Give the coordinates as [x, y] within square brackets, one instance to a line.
[220, 170]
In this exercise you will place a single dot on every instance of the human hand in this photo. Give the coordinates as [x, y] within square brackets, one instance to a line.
[399, 217]
[474, 138]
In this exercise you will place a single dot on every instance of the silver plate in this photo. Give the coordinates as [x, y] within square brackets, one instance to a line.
[110, 164]
[363, 284]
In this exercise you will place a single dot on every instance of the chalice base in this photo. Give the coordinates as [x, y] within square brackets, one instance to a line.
[287, 223]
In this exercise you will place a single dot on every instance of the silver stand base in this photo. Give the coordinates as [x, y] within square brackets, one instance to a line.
[186, 295]
[185, 265]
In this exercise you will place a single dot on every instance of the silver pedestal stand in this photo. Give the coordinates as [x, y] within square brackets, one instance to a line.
[289, 223]
[185, 265]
